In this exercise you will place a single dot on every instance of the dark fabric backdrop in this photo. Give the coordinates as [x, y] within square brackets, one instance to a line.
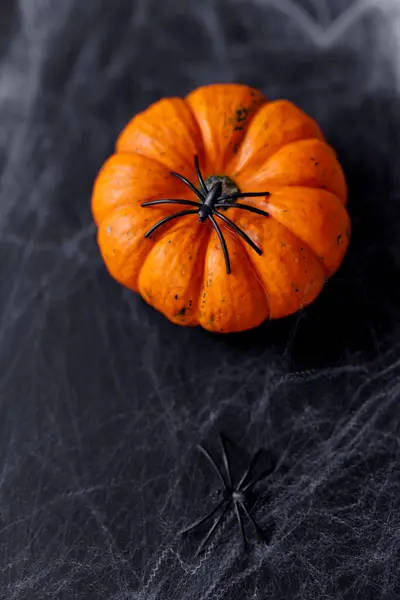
[102, 401]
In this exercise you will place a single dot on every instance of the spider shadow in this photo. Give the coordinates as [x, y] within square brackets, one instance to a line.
[357, 308]
[240, 459]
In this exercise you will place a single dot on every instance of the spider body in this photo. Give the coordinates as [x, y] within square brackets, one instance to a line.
[210, 200]
[239, 496]
[234, 495]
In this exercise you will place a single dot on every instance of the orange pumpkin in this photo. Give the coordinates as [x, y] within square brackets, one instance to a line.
[222, 209]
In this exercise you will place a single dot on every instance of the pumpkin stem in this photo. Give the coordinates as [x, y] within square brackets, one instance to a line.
[229, 187]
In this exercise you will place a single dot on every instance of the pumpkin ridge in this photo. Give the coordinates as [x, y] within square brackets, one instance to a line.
[322, 146]
[253, 267]
[258, 277]
[201, 262]
[303, 243]
[154, 123]
[320, 259]
[305, 139]
[114, 176]
[276, 123]
[250, 119]
[141, 154]
[113, 252]
[204, 155]
[251, 110]
[243, 268]
[198, 266]
[265, 284]
[225, 228]
[169, 228]
[299, 141]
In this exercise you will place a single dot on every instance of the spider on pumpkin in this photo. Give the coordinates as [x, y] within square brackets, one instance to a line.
[210, 200]
[238, 495]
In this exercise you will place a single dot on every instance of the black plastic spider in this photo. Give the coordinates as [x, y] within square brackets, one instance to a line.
[237, 495]
[210, 200]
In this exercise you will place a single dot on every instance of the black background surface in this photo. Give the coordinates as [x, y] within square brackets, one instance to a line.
[102, 400]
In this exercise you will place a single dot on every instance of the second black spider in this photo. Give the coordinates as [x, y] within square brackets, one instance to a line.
[236, 495]
[210, 200]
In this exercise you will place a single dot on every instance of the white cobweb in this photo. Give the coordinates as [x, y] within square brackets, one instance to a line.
[102, 401]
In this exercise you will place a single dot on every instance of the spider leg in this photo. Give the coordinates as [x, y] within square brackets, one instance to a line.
[252, 463]
[257, 529]
[189, 184]
[203, 519]
[213, 464]
[245, 195]
[223, 243]
[241, 526]
[170, 201]
[199, 176]
[226, 460]
[263, 474]
[252, 209]
[239, 231]
[212, 529]
[169, 218]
